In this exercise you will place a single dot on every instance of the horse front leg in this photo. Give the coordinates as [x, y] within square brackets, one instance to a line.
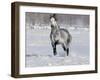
[54, 48]
[67, 51]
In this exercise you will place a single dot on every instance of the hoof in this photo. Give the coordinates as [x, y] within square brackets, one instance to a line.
[67, 54]
[55, 54]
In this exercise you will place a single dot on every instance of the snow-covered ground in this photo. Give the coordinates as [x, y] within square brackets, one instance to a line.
[39, 50]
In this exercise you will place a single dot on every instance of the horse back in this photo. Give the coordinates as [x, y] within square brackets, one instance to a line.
[65, 35]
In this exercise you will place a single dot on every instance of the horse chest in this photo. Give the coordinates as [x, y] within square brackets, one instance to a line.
[58, 39]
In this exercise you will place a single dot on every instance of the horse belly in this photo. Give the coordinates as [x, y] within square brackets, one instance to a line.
[61, 41]
[65, 38]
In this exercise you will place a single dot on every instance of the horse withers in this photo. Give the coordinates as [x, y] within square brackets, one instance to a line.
[59, 36]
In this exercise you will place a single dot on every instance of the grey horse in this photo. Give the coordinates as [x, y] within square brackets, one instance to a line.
[59, 36]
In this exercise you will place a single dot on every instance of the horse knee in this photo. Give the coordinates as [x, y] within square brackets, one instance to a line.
[64, 48]
[54, 48]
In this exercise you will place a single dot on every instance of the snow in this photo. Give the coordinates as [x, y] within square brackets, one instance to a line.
[39, 50]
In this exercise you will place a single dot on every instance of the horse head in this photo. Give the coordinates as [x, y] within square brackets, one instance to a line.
[53, 17]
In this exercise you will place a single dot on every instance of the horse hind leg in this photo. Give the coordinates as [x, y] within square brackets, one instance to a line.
[66, 49]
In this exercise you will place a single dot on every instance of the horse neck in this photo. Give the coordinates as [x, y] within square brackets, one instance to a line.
[56, 28]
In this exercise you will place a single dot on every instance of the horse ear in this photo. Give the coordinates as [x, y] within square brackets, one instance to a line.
[50, 16]
[53, 15]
